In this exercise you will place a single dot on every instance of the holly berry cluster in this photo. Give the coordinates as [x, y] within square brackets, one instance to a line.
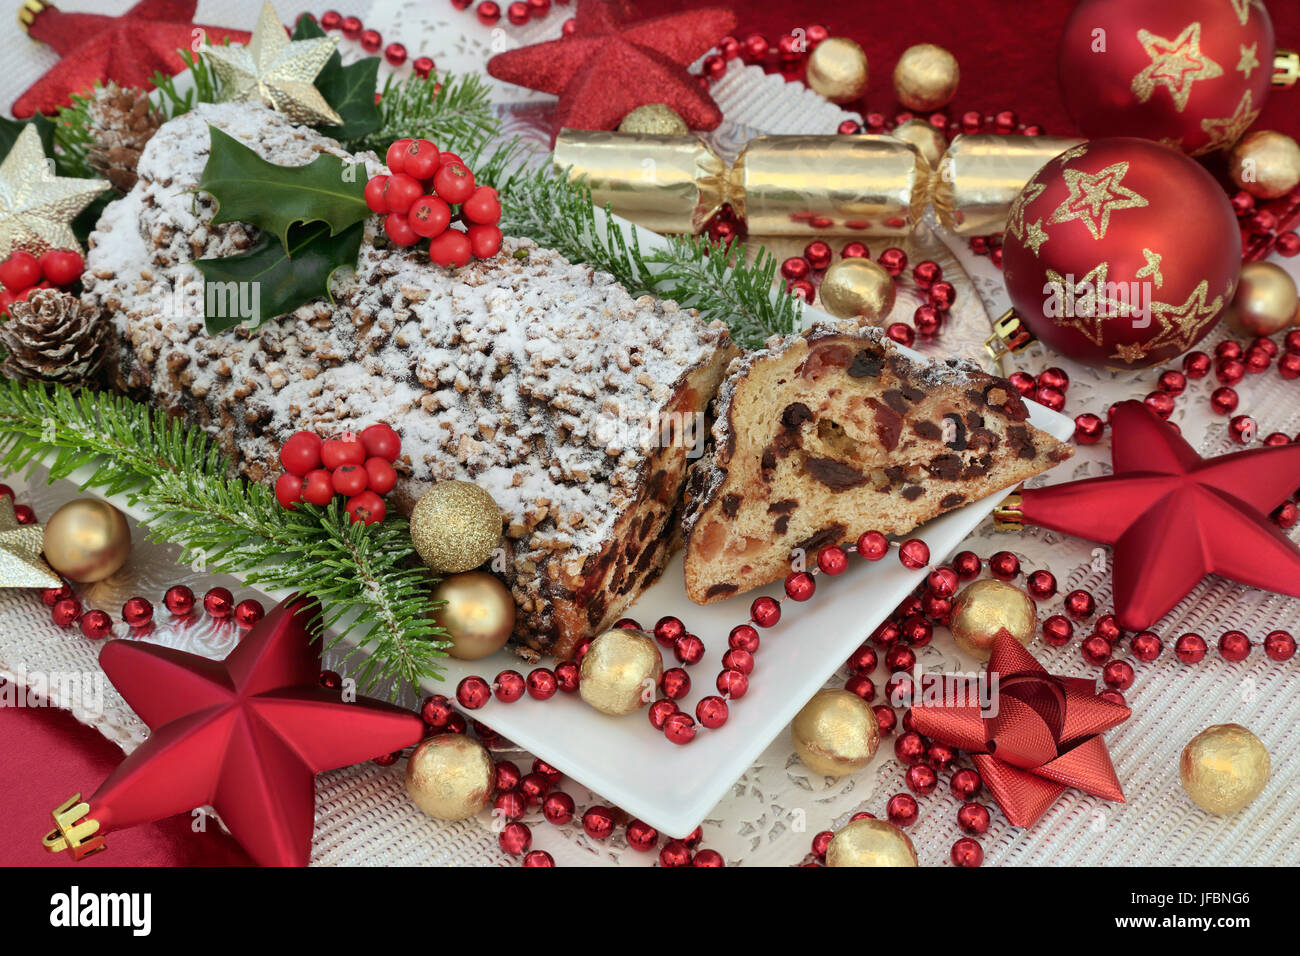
[23, 273]
[358, 467]
[432, 195]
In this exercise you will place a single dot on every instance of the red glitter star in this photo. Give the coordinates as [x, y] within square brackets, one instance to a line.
[1173, 517]
[128, 49]
[608, 67]
[246, 735]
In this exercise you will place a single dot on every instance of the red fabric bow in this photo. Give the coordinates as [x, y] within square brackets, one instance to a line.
[1041, 734]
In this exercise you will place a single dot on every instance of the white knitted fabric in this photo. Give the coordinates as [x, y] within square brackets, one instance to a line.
[364, 817]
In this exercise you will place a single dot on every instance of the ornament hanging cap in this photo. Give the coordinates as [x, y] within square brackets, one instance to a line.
[74, 829]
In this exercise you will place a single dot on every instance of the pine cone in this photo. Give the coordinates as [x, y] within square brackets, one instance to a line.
[121, 122]
[52, 337]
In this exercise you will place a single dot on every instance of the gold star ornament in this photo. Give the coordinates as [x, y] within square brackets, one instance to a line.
[1175, 64]
[21, 564]
[277, 71]
[1094, 196]
[36, 206]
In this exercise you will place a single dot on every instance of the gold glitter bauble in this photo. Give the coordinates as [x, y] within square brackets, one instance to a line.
[869, 842]
[87, 540]
[21, 565]
[657, 118]
[1224, 768]
[984, 609]
[857, 288]
[276, 71]
[837, 70]
[450, 777]
[926, 137]
[1265, 163]
[478, 613]
[836, 733]
[1265, 300]
[926, 77]
[455, 526]
[620, 671]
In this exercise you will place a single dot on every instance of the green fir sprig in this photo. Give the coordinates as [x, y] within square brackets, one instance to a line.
[367, 578]
[448, 110]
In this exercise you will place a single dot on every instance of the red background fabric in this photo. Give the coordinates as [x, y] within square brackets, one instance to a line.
[1007, 53]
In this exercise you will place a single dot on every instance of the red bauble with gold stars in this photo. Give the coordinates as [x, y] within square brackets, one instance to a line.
[1099, 255]
[1191, 74]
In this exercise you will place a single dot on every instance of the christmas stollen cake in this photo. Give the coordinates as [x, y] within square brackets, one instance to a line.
[573, 404]
[824, 435]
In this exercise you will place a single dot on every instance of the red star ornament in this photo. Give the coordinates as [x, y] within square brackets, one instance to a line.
[1172, 517]
[94, 47]
[609, 67]
[1040, 735]
[247, 735]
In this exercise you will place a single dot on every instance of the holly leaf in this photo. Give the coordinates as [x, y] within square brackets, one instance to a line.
[350, 90]
[276, 198]
[271, 278]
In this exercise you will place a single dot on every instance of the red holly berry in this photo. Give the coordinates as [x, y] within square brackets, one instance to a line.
[484, 241]
[381, 441]
[367, 507]
[429, 216]
[454, 182]
[447, 159]
[401, 191]
[301, 453]
[349, 480]
[20, 271]
[347, 450]
[422, 159]
[62, 267]
[398, 228]
[452, 249]
[483, 206]
[376, 201]
[288, 490]
[395, 158]
[318, 487]
[380, 476]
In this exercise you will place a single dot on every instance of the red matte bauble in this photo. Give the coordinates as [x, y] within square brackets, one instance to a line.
[1096, 256]
[128, 49]
[246, 734]
[608, 67]
[1172, 517]
[1191, 74]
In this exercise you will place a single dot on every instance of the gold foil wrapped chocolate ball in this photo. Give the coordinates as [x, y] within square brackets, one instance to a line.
[1265, 301]
[926, 77]
[836, 733]
[987, 608]
[1224, 768]
[455, 526]
[857, 288]
[869, 842]
[450, 777]
[926, 137]
[620, 671]
[657, 118]
[477, 611]
[1265, 163]
[837, 70]
[87, 540]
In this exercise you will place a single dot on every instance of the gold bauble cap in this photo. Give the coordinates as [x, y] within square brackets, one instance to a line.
[837, 70]
[869, 842]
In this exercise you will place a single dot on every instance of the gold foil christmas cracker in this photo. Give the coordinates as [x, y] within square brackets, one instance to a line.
[807, 185]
